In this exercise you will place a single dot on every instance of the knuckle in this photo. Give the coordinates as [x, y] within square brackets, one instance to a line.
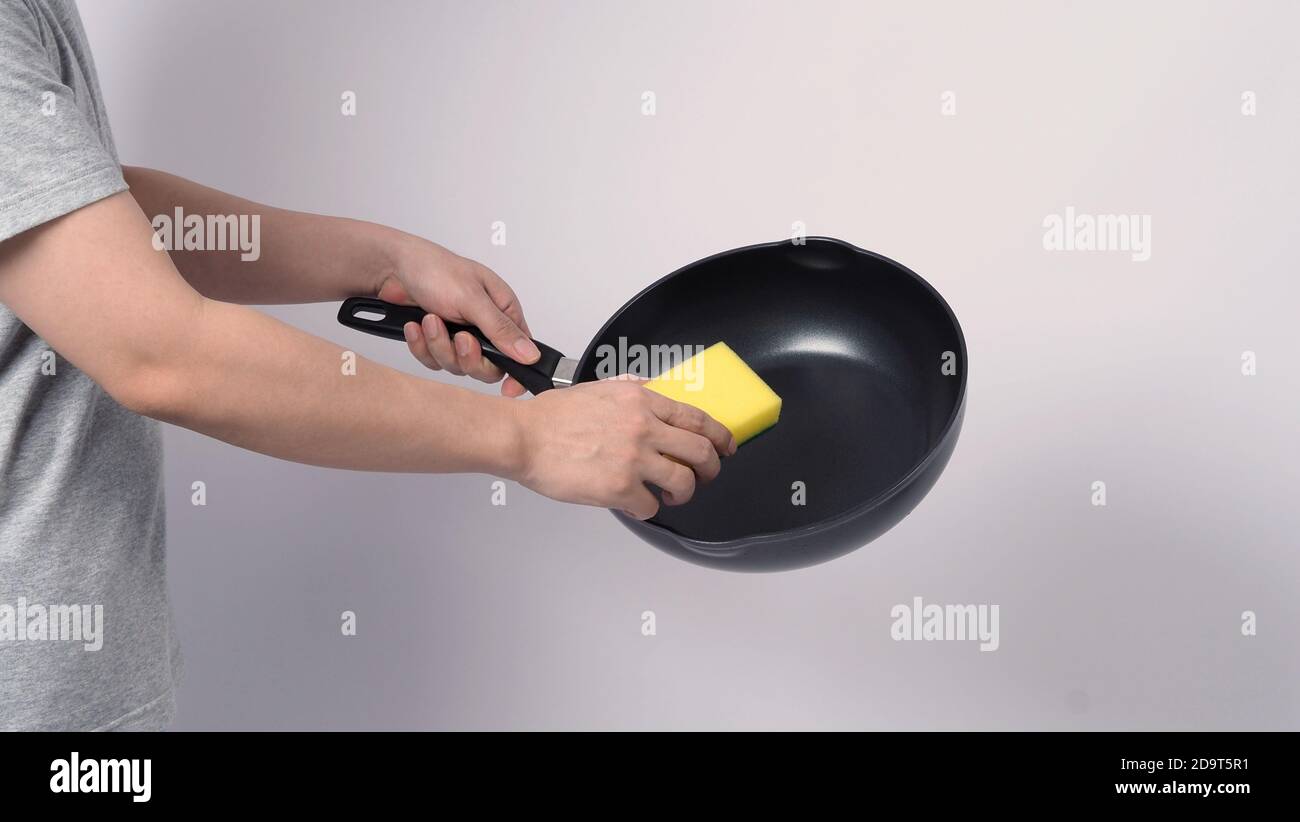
[626, 485]
[701, 451]
[711, 469]
[646, 509]
[626, 401]
[642, 428]
[685, 484]
[460, 293]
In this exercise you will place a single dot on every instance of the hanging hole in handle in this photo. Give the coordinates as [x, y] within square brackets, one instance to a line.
[369, 315]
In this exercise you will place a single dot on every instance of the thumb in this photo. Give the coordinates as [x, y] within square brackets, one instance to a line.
[503, 332]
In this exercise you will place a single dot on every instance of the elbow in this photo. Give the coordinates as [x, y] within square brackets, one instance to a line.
[152, 391]
[156, 377]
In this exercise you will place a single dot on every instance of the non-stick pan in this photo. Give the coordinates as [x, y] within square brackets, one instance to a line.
[870, 363]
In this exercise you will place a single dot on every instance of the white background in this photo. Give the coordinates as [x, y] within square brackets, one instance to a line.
[1084, 366]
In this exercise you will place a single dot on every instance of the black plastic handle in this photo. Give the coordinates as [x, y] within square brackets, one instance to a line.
[391, 318]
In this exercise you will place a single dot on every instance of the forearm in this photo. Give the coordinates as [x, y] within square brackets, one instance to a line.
[299, 257]
[249, 380]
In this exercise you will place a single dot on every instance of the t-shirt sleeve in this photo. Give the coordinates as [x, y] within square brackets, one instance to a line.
[51, 159]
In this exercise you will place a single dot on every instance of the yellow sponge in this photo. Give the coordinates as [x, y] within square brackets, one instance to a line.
[718, 382]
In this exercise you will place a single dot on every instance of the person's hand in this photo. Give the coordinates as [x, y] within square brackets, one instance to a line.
[461, 290]
[600, 443]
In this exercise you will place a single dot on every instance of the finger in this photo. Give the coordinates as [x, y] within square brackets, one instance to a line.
[440, 345]
[674, 479]
[640, 503]
[512, 388]
[690, 418]
[469, 356]
[691, 450]
[392, 291]
[504, 333]
[504, 297]
[415, 342]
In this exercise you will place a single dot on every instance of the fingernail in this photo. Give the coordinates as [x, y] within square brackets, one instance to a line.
[525, 351]
[430, 327]
[462, 345]
[731, 447]
[409, 332]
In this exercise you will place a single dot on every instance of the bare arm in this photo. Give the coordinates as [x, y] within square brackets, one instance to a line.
[282, 256]
[300, 258]
[91, 284]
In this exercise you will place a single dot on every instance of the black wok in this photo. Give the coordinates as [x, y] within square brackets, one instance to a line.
[870, 363]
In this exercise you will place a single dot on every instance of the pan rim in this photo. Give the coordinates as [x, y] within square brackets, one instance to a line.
[721, 548]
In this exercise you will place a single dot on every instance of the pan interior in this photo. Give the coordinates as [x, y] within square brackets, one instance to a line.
[854, 344]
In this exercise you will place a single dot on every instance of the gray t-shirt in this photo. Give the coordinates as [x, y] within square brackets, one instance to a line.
[86, 637]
